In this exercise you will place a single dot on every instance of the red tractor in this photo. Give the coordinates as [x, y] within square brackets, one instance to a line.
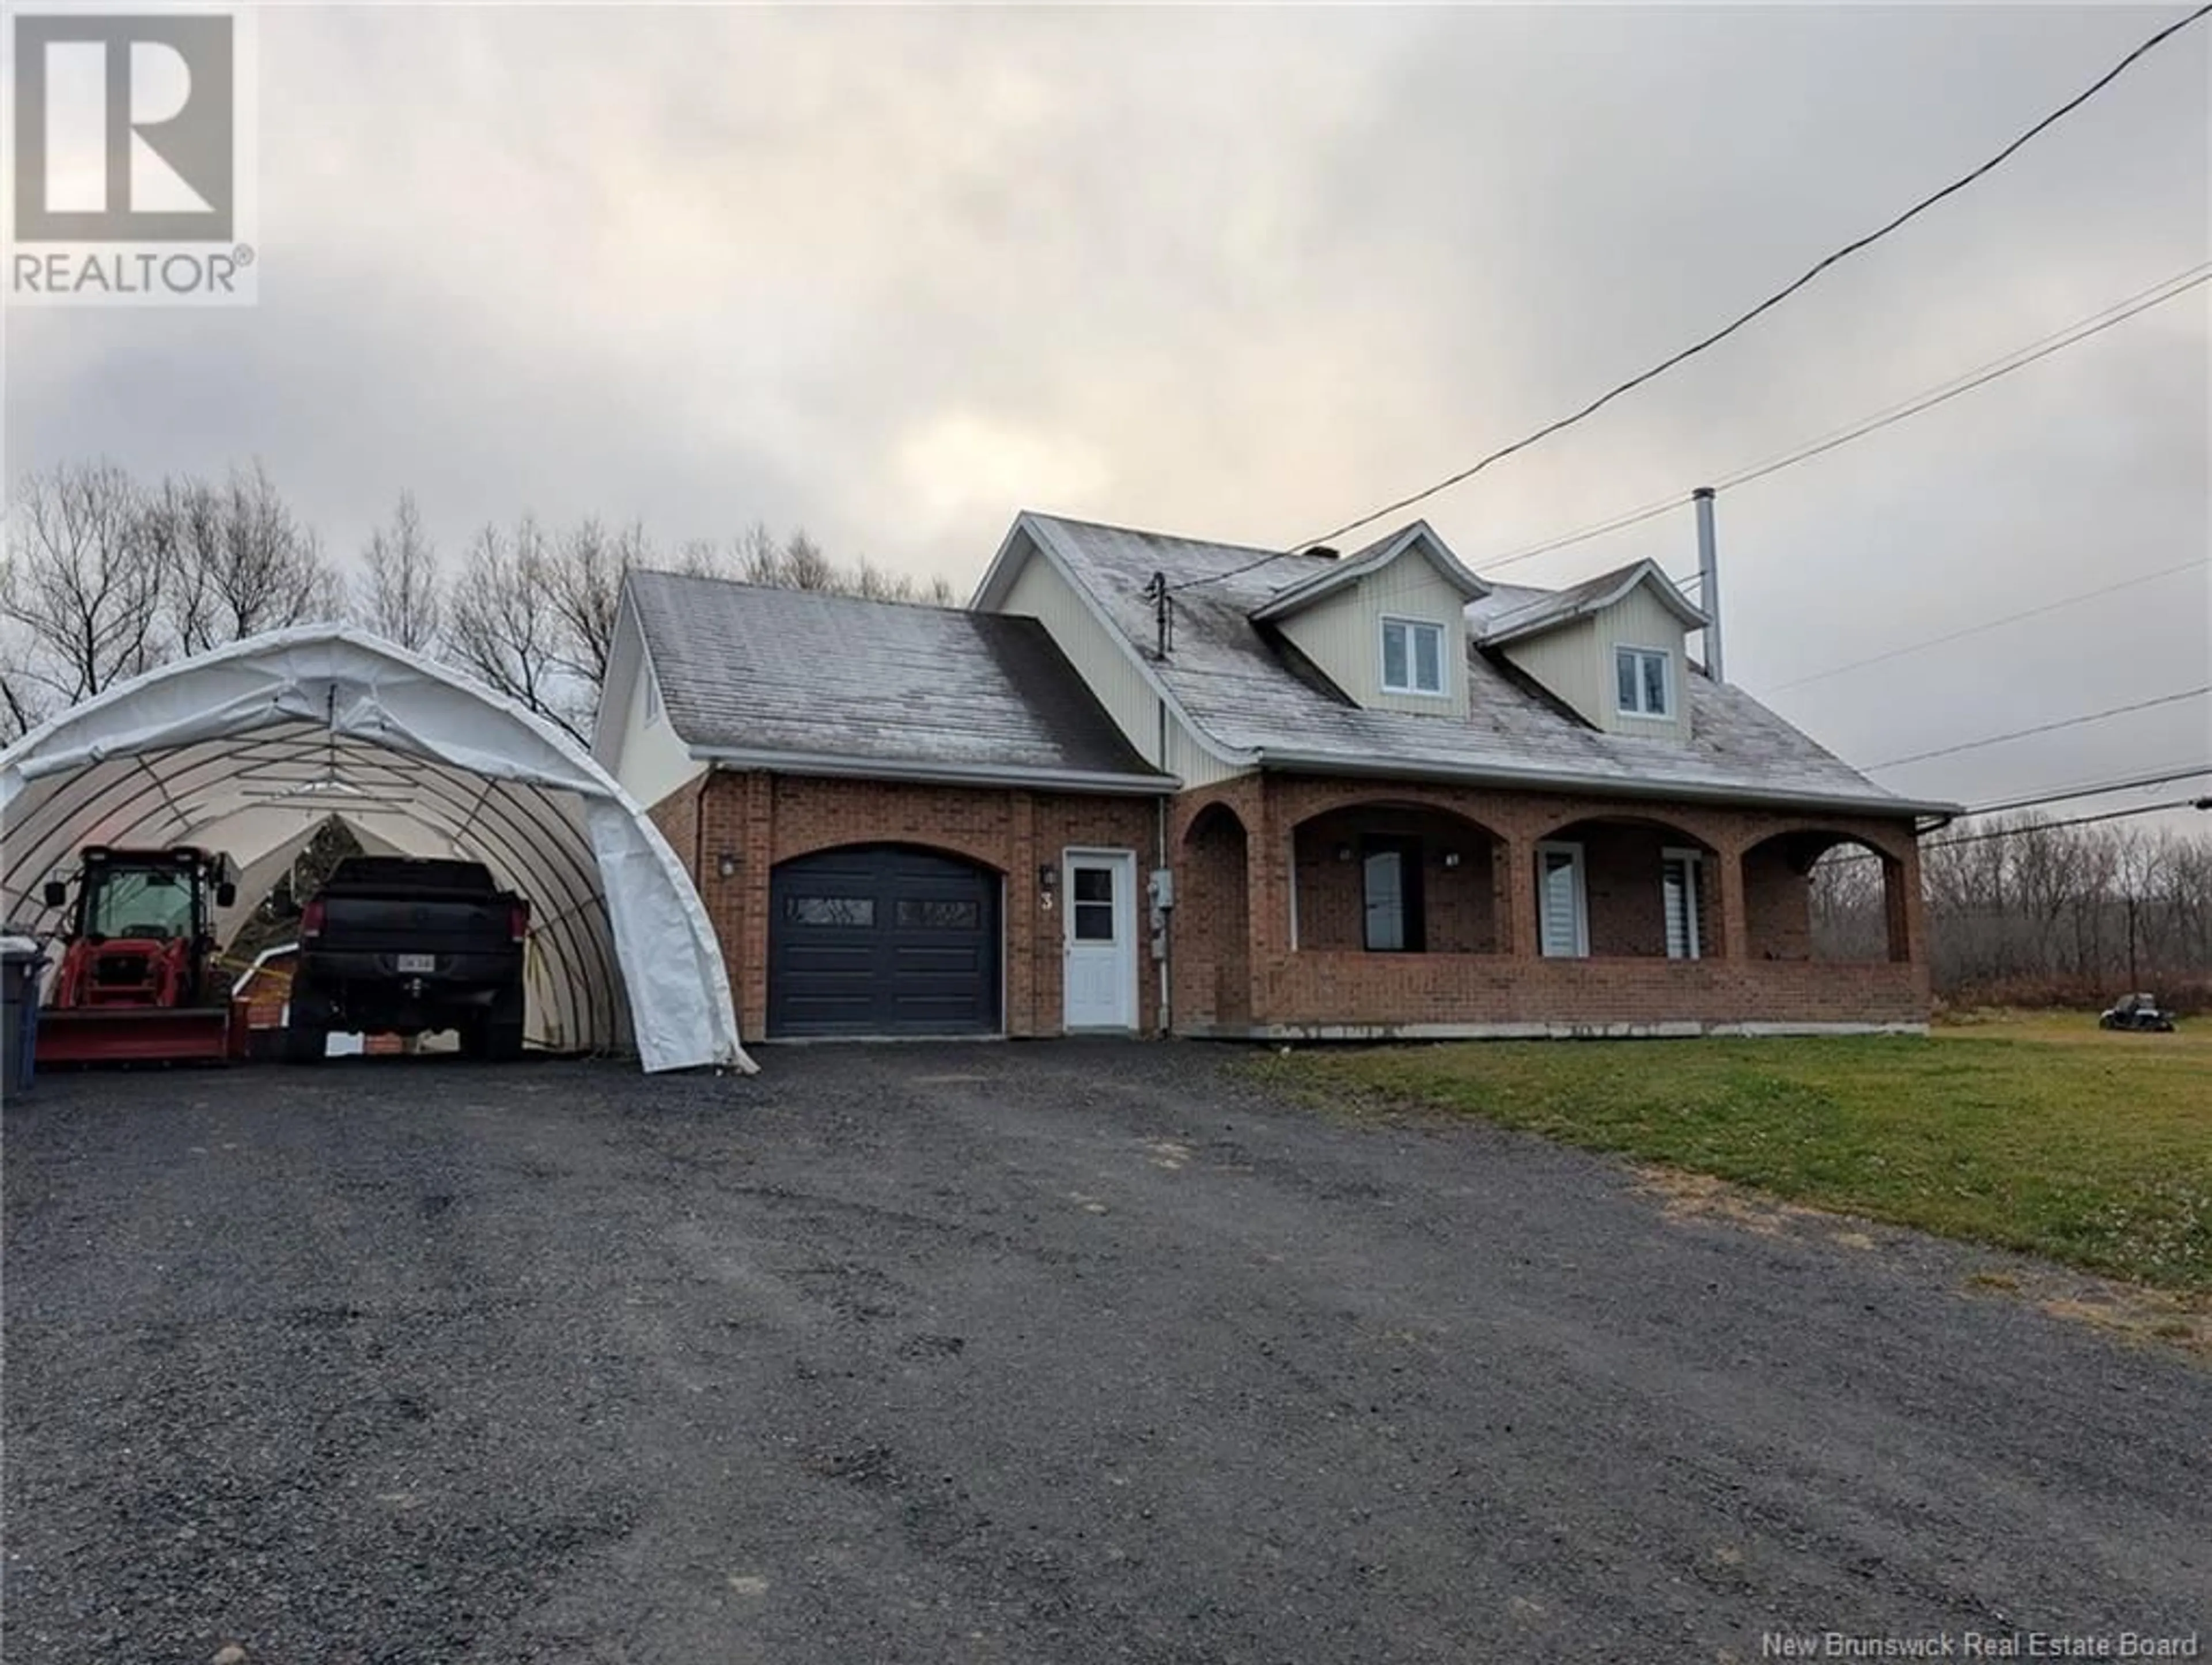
[135, 984]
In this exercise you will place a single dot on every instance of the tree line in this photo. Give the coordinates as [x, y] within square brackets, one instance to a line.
[2023, 910]
[107, 577]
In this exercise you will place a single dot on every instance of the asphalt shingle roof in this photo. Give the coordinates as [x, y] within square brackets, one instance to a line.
[747, 668]
[1230, 678]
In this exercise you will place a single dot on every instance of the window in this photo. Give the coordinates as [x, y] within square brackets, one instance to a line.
[830, 910]
[1678, 888]
[1391, 895]
[1563, 922]
[652, 700]
[926, 913]
[1094, 904]
[1644, 682]
[1412, 657]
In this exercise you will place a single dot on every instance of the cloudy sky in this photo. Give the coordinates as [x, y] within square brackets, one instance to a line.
[892, 275]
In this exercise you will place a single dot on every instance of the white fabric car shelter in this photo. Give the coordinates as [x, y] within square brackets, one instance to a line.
[249, 749]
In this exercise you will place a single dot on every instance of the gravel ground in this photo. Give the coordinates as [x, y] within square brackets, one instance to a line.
[1062, 1352]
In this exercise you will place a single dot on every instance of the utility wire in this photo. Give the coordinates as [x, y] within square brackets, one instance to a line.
[1771, 302]
[2045, 728]
[2072, 821]
[2141, 782]
[1850, 856]
[2019, 358]
[1991, 624]
[2182, 285]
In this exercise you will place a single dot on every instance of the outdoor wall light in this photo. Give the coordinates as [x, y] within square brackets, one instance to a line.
[1344, 853]
[1047, 877]
[726, 864]
[1451, 858]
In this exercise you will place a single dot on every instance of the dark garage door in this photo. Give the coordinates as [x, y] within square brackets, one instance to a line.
[881, 939]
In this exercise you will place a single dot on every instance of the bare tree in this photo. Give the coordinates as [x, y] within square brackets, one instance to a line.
[82, 583]
[238, 561]
[506, 629]
[585, 579]
[399, 590]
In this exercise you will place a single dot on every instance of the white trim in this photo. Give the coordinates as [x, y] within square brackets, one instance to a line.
[1535, 620]
[1666, 657]
[999, 579]
[1350, 569]
[1123, 863]
[1606, 785]
[1568, 848]
[1693, 896]
[899, 768]
[1443, 689]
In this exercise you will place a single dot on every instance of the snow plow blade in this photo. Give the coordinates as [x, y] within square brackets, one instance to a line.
[129, 1035]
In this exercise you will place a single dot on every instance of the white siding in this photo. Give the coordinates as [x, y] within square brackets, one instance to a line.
[1638, 620]
[1565, 661]
[650, 761]
[1575, 663]
[1343, 635]
[1039, 592]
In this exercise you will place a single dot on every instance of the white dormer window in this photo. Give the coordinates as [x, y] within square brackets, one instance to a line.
[1412, 657]
[652, 700]
[1643, 680]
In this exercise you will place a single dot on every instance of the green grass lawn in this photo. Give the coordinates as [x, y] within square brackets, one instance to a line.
[2038, 1133]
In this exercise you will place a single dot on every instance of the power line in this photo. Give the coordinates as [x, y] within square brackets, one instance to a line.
[1990, 624]
[2045, 728]
[2027, 355]
[2072, 821]
[1771, 302]
[2019, 358]
[2141, 782]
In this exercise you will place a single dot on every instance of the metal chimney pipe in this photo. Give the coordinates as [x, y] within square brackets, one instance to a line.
[1709, 580]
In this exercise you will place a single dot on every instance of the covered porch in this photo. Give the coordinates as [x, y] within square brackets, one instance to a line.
[1314, 908]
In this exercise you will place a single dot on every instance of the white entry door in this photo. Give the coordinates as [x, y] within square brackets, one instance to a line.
[1099, 888]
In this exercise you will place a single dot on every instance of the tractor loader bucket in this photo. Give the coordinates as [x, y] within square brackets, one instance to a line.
[133, 1034]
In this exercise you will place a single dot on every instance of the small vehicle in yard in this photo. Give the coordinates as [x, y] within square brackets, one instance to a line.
[2137, 1011]
[401, 945]
[134, 984]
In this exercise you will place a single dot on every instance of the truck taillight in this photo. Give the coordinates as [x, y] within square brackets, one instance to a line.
[518, 922]
[311, 919]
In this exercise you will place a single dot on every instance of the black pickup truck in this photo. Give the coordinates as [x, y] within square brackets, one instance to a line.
[394, 944]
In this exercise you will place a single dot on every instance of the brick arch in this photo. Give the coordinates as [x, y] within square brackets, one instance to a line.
[1185, 810]
[1881, 841]
[1777, 867]
[1415, 803]
[958, 849]
[1694, 828]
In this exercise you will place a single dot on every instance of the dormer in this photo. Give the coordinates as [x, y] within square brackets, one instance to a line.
[1387, 624]
[1613, 648]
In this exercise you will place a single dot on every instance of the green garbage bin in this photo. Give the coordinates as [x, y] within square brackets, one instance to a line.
[20, 963]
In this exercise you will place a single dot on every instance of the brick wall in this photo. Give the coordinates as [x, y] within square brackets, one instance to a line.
[1458, 901]
[760, 820]
[1293, 824]
[1237, 847]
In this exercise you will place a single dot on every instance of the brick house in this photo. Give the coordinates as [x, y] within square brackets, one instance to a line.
[1144, 783]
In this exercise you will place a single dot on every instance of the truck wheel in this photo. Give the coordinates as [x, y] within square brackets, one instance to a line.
[305, 1044]
[502, 1029]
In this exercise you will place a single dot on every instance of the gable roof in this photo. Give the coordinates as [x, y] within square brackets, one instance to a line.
[1536, 611]
[1225, 676]
[1340, 575]
[833, 684]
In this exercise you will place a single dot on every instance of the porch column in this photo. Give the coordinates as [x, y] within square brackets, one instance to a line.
[1028, 934]
[1270, 872]
[1736, 921]
[1515, 861]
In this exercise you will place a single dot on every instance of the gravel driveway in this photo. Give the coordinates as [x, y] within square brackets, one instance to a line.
[1072, 1351]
